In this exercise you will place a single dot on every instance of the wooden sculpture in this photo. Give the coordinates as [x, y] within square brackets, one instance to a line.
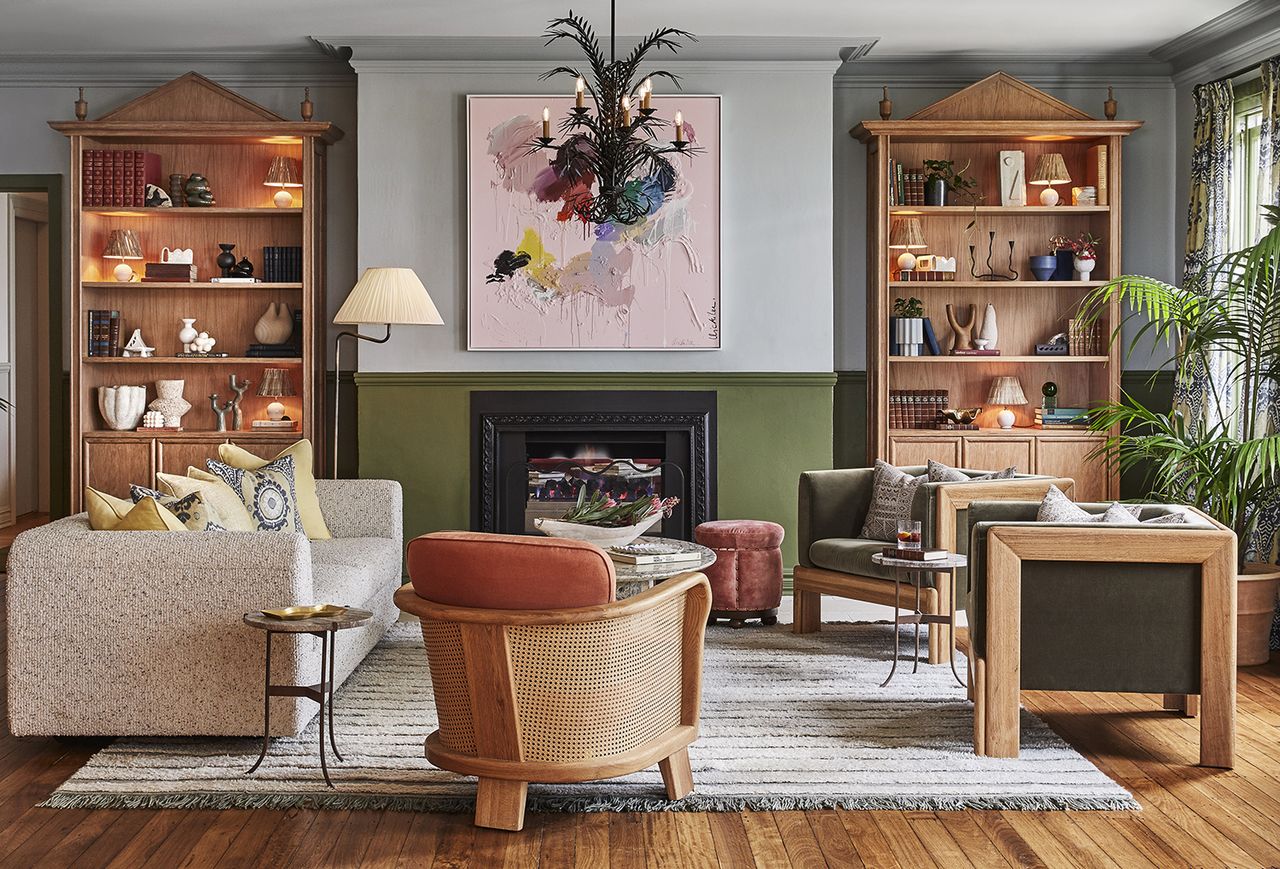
[963, 333]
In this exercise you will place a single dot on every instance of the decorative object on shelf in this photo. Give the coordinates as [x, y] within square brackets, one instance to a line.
[226, 260]
[1109, 105]
[183, 273]
[1043, 266]
[197, 191]
[157, 198]
[1013, 178]
[1056, 346]
[1085, 195]
[1006, 390]
[187, 334]
[170, 403]
[391, 296]
[307, 108]
[177, 255]
[242, 269]
[82, 106]
[962, 333]
[123, 245]
[1049, 396]
[980, 343]
[961, 415]
[283, 174]
[239, 388]
[122, 406]
[220, 412]
[275, 326]
[886, 104]
[990, 332]
[906, 234]
[203, 345]
[1084, 338]
[276, 383]
[1061, 247]
[1085, 254]
[908, 326]
[990, 275]
[941, 179]
[137, 347]
[176, 194]
[1050, 169]
[152, 419]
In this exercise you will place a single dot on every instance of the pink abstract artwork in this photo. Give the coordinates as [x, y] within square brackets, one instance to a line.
[541, 278]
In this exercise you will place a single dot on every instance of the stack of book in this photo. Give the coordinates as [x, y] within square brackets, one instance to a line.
[104, 333]
[973, 351]
[117, 177]
[647, 552]
[1084, 338]
[914, 554]
[287, 349]
[1067, 418]
[282, 265]
[906, 186]
[274, 425]
[170, 273]
[917, 408]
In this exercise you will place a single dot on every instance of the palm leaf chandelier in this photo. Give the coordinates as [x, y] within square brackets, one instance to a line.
[616, 147]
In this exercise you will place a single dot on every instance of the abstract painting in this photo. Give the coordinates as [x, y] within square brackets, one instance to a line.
[541, 278]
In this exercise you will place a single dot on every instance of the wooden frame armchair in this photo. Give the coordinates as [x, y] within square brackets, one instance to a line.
[565, 695]
[835, 561]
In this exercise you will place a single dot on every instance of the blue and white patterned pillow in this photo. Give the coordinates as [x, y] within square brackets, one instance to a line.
[192, 510]
[269, 493]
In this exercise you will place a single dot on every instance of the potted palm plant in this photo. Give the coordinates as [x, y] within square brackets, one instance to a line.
[1226, 461]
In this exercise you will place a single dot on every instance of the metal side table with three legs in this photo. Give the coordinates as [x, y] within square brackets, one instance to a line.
[913, 572]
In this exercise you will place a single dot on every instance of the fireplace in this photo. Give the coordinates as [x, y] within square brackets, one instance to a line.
[533, 451]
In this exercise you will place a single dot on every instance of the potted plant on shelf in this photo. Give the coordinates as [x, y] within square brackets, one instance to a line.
[604, 521]
[1084, 252]
[1228, 463]
[941, 178]
[906, 326]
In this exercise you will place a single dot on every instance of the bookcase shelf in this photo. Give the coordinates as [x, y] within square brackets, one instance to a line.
[995, 360]
[192, 360]
[192, 213]
[996, 210]
[994, 285]
[186, 285]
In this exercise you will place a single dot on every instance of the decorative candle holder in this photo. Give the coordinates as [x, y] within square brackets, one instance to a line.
[680, 145]
[647, 112]
[545, 141]
[579, 110]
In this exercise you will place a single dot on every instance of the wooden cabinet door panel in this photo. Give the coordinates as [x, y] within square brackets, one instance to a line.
[998, 453]
[175, 456]
[111, 466]
[263, 449]
[1068, 457]
[906, 452]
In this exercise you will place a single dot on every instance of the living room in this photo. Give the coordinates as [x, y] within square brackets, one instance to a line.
[639, 435]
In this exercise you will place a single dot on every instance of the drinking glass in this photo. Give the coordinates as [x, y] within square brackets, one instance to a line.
[909, 534]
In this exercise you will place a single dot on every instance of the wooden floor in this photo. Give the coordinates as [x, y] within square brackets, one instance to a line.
[1190, 817]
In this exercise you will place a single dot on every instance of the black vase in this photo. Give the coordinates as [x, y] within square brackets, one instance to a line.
[226, 259]
[935, 191]
[1065, 270]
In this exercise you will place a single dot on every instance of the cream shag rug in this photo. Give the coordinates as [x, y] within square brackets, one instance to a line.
[788, 722]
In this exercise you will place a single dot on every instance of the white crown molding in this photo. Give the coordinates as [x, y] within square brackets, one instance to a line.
[1246, 15]
[1036, 69]
[533, 69]
[237, 68]
[1241, 36]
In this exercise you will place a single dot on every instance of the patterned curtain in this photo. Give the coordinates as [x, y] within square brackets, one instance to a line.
[1269, 135]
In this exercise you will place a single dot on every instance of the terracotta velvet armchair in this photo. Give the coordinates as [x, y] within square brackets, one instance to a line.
[541, 676]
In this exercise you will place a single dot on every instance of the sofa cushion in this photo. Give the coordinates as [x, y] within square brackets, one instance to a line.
[892, 494]
[940, 473]
[351, 570]
[192, 510]
[269, 493]
[849, 555]
[224, 500]
[1057, 507]
[509, 571]
[304, 480]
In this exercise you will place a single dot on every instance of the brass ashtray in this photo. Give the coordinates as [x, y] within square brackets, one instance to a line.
[961, 416]
[296, 613]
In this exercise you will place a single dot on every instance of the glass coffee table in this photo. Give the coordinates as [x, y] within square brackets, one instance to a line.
[635, 578]
[911, 571]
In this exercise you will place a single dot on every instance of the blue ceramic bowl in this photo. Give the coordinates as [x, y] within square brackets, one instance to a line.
[1043, 267]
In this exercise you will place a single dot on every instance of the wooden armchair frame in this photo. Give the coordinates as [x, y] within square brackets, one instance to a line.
[995, 677]
[810, 583]
[510, 715]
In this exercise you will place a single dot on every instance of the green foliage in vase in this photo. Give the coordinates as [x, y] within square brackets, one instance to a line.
[911, 308]
[600, 509]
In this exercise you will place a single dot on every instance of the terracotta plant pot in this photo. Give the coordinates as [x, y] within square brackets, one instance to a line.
[1256, 591]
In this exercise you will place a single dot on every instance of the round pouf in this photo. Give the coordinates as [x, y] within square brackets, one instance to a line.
[746, 580]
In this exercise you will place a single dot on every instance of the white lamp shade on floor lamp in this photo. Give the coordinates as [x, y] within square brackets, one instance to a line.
[393, 296]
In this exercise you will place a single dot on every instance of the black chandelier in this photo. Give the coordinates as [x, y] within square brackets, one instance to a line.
[617, 146]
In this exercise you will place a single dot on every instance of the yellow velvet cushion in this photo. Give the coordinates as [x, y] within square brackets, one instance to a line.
[304, 481]
[148, 515]
[105, 511]
[222, 498]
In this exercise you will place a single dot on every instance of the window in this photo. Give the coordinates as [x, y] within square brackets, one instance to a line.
[1245, 223]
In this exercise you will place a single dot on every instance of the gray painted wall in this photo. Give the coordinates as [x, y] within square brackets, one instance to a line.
[776, 230]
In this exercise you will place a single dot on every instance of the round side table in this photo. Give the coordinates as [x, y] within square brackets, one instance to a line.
[911, 571]
[635, 578]
[326, 628]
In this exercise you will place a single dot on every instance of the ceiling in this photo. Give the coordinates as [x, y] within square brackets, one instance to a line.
[906, 27]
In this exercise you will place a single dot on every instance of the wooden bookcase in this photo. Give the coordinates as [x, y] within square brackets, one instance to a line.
[195, 125]
[971, 127]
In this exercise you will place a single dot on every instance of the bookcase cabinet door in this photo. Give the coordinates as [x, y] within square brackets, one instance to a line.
[995, 454]
[110, 466]
[1069, 457]
[175, 456]
[906, 452]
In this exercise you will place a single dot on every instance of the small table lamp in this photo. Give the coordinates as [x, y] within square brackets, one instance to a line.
[382, 295]
[123, 244]
[906, 234]
[1004, 392]
[1050, 170]
[276, 383]
[283, 174]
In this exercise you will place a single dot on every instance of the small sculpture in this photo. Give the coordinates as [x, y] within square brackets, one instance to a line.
[220, 411]
[197, 190]
[307, 109]
[187, 334]
[203, 344]
[122, 406]
[963, 332]
[275, 326]
[137, 347]
[239, 389]
[886, 105]
[157, 198]
[175, 189]
[242, 269]
[153, 419]
[82, 106]
[1109, 104]
[170, 403]
[990, 331]
[226, 259]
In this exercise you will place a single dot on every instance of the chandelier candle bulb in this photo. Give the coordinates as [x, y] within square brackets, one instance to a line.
[647, 91]
[546, 122]
[626, 110]
[679, 126]
[580, 88]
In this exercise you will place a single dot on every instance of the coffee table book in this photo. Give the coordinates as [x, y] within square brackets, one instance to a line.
[914, 554]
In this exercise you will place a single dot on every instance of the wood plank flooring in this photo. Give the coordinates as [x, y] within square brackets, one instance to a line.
[1191, 816]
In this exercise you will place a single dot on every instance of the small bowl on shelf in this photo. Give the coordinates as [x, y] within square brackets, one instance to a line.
[961, 416]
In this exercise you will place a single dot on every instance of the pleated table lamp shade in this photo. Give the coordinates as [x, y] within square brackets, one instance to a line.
[389, 295]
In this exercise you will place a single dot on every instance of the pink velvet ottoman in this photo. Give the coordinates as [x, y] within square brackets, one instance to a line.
[746, 580]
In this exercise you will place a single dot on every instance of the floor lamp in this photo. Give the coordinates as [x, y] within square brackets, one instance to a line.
[382, 295]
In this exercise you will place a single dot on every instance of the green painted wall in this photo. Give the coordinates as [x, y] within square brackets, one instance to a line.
[850, 419]
[415, 428]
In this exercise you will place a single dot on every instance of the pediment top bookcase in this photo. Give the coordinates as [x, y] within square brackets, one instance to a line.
[267, 178]
[991, 230]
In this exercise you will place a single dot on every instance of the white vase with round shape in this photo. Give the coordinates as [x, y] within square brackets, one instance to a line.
[990, 329]
[275, 326]
[170, 402]
[122, 406]
[1083, 267]
[187, 333]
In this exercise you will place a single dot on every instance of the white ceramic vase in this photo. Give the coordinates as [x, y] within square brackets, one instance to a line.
[990, 329]
[187, 333]
[170, 402]
[122, 406]
[1083, 267]
[275, 326]
[909, 335]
